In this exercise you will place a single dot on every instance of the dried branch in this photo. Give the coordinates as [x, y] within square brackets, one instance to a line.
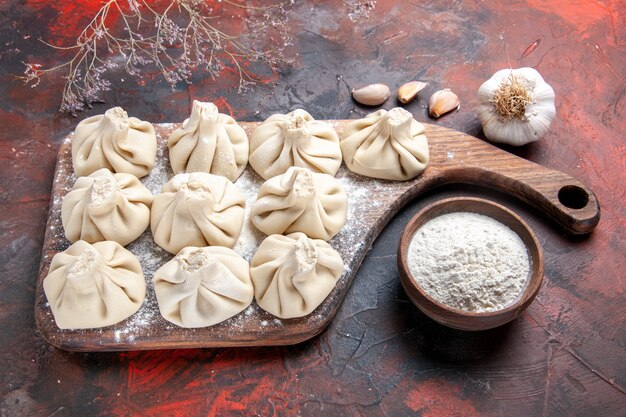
[177, 40]
[358, 9]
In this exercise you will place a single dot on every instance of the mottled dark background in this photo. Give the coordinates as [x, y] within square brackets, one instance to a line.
[564, 357]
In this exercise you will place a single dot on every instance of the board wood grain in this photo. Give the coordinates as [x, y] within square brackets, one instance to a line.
[454, 158]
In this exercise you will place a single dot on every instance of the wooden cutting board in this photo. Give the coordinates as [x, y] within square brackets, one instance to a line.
[454, 158]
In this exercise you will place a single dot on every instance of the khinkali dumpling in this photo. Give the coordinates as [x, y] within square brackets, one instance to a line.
[106, 206]
[301, 201]
[203, 286]
[209, 142]
[197, 209]
[115, 141]
[386, 144]
[94, 285]
[293, 274]
[294, 139]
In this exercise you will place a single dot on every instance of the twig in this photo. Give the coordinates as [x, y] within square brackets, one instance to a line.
[145, 36]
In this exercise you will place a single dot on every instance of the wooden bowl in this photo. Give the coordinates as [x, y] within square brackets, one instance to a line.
[453, 317]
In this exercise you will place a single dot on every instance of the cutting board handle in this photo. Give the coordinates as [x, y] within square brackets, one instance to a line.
[565, 199]
[460, 158]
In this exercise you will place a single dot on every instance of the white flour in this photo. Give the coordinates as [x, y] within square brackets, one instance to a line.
[469, 261]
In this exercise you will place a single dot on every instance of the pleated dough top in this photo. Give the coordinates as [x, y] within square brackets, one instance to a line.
[106, 206]
[91, 286]
[389, 145]
[197, 209]
[294, 139]
[209, 141]
[301, 201]
[293, 275]
[203, 286]
[115, 141]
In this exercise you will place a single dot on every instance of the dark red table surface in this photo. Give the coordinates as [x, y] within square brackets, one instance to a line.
[565, 356]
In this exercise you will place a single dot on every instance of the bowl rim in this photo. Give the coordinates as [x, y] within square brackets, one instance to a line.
[533, 283]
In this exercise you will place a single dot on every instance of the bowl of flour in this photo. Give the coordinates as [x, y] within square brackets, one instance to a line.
[470, 263]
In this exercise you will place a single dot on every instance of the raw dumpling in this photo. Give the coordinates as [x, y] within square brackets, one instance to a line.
[203, 286]
[209, 142]
[95, 285]
[301, 201]
[197, 209]
[293, 274]
[294, 139]
[386, 144]
[115, 141]
[106, 206]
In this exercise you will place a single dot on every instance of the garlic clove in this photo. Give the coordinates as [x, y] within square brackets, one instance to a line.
[409, 91]
[442, 102]
[372, 95]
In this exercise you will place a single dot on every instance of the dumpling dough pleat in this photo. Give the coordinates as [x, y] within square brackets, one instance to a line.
[106, 206]
[389, 145]
[203, 286]
[115, 141]
[95, 285]
[197, 209]
[209, 142]
[301, 201]
[293, 274]
[294, 139]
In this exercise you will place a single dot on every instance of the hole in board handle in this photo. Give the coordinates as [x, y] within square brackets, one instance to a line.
[574, 197]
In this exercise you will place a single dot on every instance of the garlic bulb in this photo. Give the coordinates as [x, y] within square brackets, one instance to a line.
[515, 106]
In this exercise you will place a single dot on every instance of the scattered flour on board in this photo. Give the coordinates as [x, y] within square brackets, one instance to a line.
[364, 195]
